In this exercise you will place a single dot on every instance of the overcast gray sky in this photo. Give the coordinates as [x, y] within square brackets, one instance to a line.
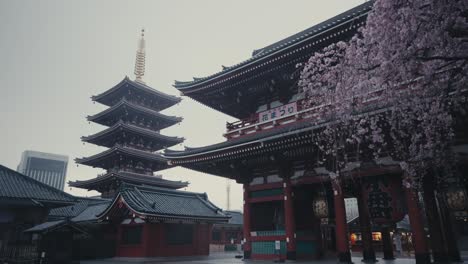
[54, 55]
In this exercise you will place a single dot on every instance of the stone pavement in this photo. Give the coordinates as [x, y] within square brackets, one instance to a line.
[230, 258]
[227, 258]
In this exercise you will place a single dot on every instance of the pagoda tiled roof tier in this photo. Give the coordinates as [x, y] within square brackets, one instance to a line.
[127, 88]
[108, 158]
[152, 203]
[115, 134]
[23, 190]
[128, 111]
[235, 90]
[127, 177]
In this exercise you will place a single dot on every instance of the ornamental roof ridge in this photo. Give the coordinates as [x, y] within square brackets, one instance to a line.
[282, 44]
[138, 85]
[125, 102]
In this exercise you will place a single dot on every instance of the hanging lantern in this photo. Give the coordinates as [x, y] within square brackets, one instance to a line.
[457, 199]
[384, 199]
[320, 207]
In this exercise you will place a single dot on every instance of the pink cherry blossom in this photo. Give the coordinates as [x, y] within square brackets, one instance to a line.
[395, 89]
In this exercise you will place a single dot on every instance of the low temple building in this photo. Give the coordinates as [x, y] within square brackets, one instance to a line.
[24, 202]
[161, 222]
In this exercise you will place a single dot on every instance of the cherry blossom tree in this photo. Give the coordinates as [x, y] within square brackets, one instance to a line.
[395, 88]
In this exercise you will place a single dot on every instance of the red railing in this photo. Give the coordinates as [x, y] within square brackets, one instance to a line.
[253, 124]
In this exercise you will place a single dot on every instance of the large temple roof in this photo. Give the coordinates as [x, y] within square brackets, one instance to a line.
[124, 108]
[128, 177]
[21, 189]
[106, 158]
[239, 90]
[109, 137]
[286, 43]
[123, 88]
[164, 204]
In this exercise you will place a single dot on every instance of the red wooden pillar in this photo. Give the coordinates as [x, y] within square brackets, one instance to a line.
[341, 232]
[195, 239]
[146, 240]
[118, 243]
[209, 227]
[246, 225]
[290, 222]
[368, 253]
[417, 225]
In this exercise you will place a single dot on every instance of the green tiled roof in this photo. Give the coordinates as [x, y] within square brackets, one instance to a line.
[237, 218]
[76, 209]
[284, 44]
[169, 204]
[17, 187]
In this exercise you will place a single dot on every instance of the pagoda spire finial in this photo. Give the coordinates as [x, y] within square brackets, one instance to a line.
[140, 59]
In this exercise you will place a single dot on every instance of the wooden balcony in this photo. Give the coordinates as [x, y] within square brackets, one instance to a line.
[253, 124]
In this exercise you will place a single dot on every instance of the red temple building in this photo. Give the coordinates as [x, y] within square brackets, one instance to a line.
[151, 216]
[288, 195]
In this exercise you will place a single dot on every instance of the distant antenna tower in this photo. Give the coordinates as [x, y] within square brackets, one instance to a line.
[228, 193]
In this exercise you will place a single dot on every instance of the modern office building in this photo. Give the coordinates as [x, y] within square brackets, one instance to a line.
[47, 168]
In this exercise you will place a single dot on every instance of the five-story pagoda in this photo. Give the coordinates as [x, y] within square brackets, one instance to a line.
[133, 135]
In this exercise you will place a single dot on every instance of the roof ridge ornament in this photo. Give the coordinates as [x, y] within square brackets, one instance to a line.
[140, 59]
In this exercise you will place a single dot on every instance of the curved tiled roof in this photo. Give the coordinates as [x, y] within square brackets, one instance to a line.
[124, 150]
[281, 45]
[258, 137]
[89, 214]
[75, 209]
[122, 127]
[16, 186]
[126, 82]
[168, 204]
[236, 217]
[127, 177]
[124, 104]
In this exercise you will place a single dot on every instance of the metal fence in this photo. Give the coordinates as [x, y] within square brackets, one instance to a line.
[24, 254]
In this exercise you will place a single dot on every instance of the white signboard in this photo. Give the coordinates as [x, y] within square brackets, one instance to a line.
[277, 245]
[278, 112]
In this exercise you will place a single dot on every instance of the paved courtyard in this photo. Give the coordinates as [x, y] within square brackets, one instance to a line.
[230, 258]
